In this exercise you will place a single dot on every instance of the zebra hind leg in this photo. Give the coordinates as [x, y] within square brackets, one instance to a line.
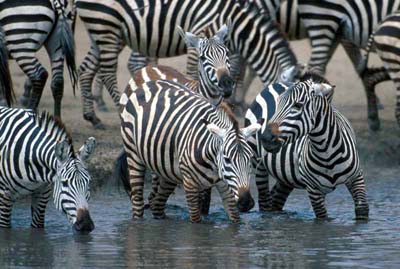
[357, 189]
[165, 189]
[98, 94]
[5, 211]
[38, 207]
[228, 200]
[318, 203]
[280, 192]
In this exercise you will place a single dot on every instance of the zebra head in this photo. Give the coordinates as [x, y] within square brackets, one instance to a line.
[71, 188]
[234, 161]
[296, 114]
[213, 65]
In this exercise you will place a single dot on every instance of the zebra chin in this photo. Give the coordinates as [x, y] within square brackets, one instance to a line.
[83, 223]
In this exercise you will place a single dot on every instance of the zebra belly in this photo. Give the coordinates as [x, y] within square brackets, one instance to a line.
[16, 188]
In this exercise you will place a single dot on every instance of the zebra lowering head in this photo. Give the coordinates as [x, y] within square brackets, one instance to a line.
[234, 160]
[71, 187]
[295, 114]
[213, 63]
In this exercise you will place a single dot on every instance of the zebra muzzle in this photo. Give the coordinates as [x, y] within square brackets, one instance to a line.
[227, 84]
[245, 202]
[83, 223]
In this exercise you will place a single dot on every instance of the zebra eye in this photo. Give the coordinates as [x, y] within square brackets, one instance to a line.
[227, 160]
[298, 106]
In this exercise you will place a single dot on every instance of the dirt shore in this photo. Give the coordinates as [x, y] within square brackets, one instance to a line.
[378, 150]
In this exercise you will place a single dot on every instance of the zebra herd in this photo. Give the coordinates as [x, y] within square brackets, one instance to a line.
[180, 127]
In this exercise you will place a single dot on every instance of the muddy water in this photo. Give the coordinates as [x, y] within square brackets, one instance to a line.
[290, 239]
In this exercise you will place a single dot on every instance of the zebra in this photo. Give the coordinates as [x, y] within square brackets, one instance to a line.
[183, 138]
[112, 25]
[309, 145]
[385, 42]
[30, 24]
[36, 152]
[353, 21]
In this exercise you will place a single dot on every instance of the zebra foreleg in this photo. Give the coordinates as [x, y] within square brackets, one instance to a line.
[192, 199]
[204, 201]
[357, 189]
[262, 182]
[165, 189]
[38, 206]
[24, 98]
[317, 199]
[280, 192]
[98, 94]
[136, 180]
[6, 204]
[229, 201]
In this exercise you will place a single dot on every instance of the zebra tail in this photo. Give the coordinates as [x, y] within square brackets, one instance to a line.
[66, 37]
[6, 86]
[121, 172]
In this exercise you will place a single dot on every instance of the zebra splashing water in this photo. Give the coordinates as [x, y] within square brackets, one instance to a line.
[36, 152]
[30, 24]
[181, 137]
[312, 146]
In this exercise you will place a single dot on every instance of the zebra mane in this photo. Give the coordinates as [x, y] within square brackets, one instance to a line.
[314, 76]
[51, 125]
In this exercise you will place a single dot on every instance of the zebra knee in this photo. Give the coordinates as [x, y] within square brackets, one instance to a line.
[57, 87]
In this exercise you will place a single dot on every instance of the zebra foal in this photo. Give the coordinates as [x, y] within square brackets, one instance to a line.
[184, 139]
[37, 158]
[312, 146]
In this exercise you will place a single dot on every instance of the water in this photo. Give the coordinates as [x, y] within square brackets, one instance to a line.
[290, 239]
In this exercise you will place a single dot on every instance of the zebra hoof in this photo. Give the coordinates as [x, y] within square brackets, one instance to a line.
[94, 120]
[374, 124]
[159, 215]
[102, 108]
[23, 101]
[99, 126]
[362, 213]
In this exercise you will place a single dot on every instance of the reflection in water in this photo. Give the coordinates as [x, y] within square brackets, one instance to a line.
[291, 239]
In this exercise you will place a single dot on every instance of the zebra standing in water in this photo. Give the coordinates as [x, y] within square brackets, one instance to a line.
[30, 24]
[200, 146]
[113, 24]
[36, 152]
[310, 145]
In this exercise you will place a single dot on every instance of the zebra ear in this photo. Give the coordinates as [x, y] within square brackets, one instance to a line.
[323, 89]
[191, 40]
[288, 74]
[62, 151]
[215, 129]
[87, 150]
[250, 130]
[223, 33]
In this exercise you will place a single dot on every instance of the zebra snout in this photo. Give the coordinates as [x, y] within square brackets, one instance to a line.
[84, 223]
[227, 84]
[245, 202]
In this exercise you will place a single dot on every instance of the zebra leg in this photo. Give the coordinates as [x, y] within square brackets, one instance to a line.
[262, 182]
[155, 182]
[280, 192]
[98, 94]
[229, 201]
[24, 98]
[6, 204]
[357, 189]
[317, 199]
[192, 199]
[356, 58]
[57, 71]
[87, 71]
[38, 207]
[136, 179]
[36, 74]
[204, 201]
[165, 189]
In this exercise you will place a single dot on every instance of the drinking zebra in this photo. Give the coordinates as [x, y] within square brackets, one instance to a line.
[36, 152]
[310, 145]
[181, 137]
[385, 41]
[30, 24]
[113, 24]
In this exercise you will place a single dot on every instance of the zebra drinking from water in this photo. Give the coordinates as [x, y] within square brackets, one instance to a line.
[30, 24]
[36, 152]
[311, 145]
[181, 137]
[114, 24]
